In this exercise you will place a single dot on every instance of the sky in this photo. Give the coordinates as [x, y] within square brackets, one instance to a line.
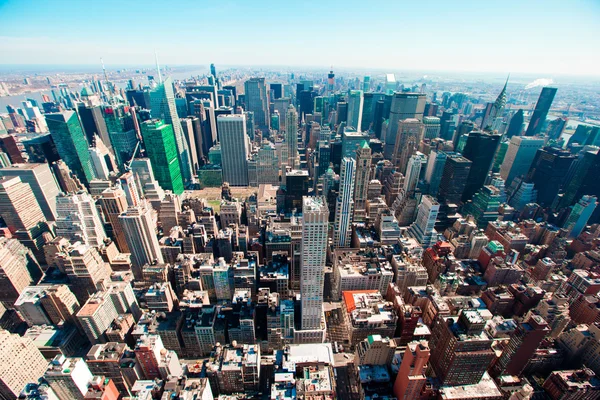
[518, 36]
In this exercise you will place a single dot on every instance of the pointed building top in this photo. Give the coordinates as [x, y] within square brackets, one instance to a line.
[157, 67]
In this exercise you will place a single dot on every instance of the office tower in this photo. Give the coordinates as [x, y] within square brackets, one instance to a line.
[277, 89]
[390, 83]
[434, 171]
[581, 179]
[496, 110]
[515, 126]
[114, 203]
[123, 131]
[20, 363]
[521, 347]
[556, 128]
[378, 119]
[148, 354]
[291, 136]
[462, 132]
[522, 194]
[580, 215]
[59, 303]
[257, 101]
[462, 348]
[411, 375]
[361, 185]
[351, 141]
[41, 149]
[71, 143]
[454, 178]
[315, 217]
[22, 214]
[68, 377]
[161, 148]
[140, 234]
[267, 166]
[541, 111]
[42, 183]
[234, 149]
[355, 109]
[404, 105]
[344, 206]
[423, 228]
[547, 172]
[93, 124]
[77, 219]
[141, 168]
[484, 205]
[19, 269]
[519, 156]
[189, 132]
[67, 182]
[281, 106]
[410, 134]
[96, 316]
[431, 127]
[130, 187]
[480, 149]
[163, 107]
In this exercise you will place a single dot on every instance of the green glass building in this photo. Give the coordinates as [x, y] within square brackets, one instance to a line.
[71, 143]
[159, 141]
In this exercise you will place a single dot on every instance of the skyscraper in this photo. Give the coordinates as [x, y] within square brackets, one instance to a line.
[582, 178]
[257, 101]
[496, 110]
[291, 135]
[515, 126]
[411, 375]
[454, 178]
[541, 111]
[355, 109]
[432, 127]
[19, 269]
[71, 143]
[434, 171]
[410, 134]
[163, 107]
[77, 219]
[361, 186]
[404, 105]
[580, 215]
[423, 229]
[547, 172]
[519, 156]
[480, 149]
[315, 217]
[234, 148]
[140, 234]
[159, 140]
[68, 377]
[344, 206]
[94, 124]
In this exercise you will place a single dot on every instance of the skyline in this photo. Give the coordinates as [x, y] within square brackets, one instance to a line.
[260, 33]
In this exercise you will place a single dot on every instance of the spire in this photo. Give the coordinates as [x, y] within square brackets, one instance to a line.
[501, 100]
[110, 89]
[157, 67]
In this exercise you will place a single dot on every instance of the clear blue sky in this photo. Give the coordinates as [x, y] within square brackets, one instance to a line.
[532, 36]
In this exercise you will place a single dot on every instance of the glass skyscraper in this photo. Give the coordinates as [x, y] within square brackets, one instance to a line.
[159, 140]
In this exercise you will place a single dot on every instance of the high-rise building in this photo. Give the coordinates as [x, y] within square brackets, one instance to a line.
[432, 127]
[234, 148]
[496, 110]
[291, 136]
[547, 172]
[85, 269]
[93, 123]
[515, 126]
[404, 105]
[140, 234]
[541, 111]
[351, 141]
[20, 363]
[42, 183]
[71, 143]
[77, 219]
[361, 185]
[411, 375]
[355, 109]
[454, 178]
[582, 178]
[519, 156]
[315, 217]
[522, 345]
[18, 270]
[435, 168]
[257, 101]
[68, 377]
[96, 316]
[159, 140]
[410, 134]
[162, 106]
[423, 229]
[114, 203]
[480, 149]
[344, 206]
[580, 215]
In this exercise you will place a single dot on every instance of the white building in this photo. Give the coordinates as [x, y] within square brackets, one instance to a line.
[344, 206]
[78, 219]
[423, 229]
[234, 148]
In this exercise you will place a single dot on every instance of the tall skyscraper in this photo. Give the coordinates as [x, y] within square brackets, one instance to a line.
[163, 107]
[547, 172]
[480, 149]
[434, 171]
[454, 178]
[519, 156]
[432, 127]
[582, 178]
[423, 229]
[234, 148]
[71, 143]
[140, 234]
[315, 217]
[411, 375]
[541, 111]
[93, 124]
[159, 140]
[355, 109]
[18, 270]
[404, 105]
[344, 206]
[515, 126]
[410, 134]
[580, 215]
[496, 110]
[20, 363]
[43, 184]
[291, 135]
[77, 219]
[257, 101]
[361, 185]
